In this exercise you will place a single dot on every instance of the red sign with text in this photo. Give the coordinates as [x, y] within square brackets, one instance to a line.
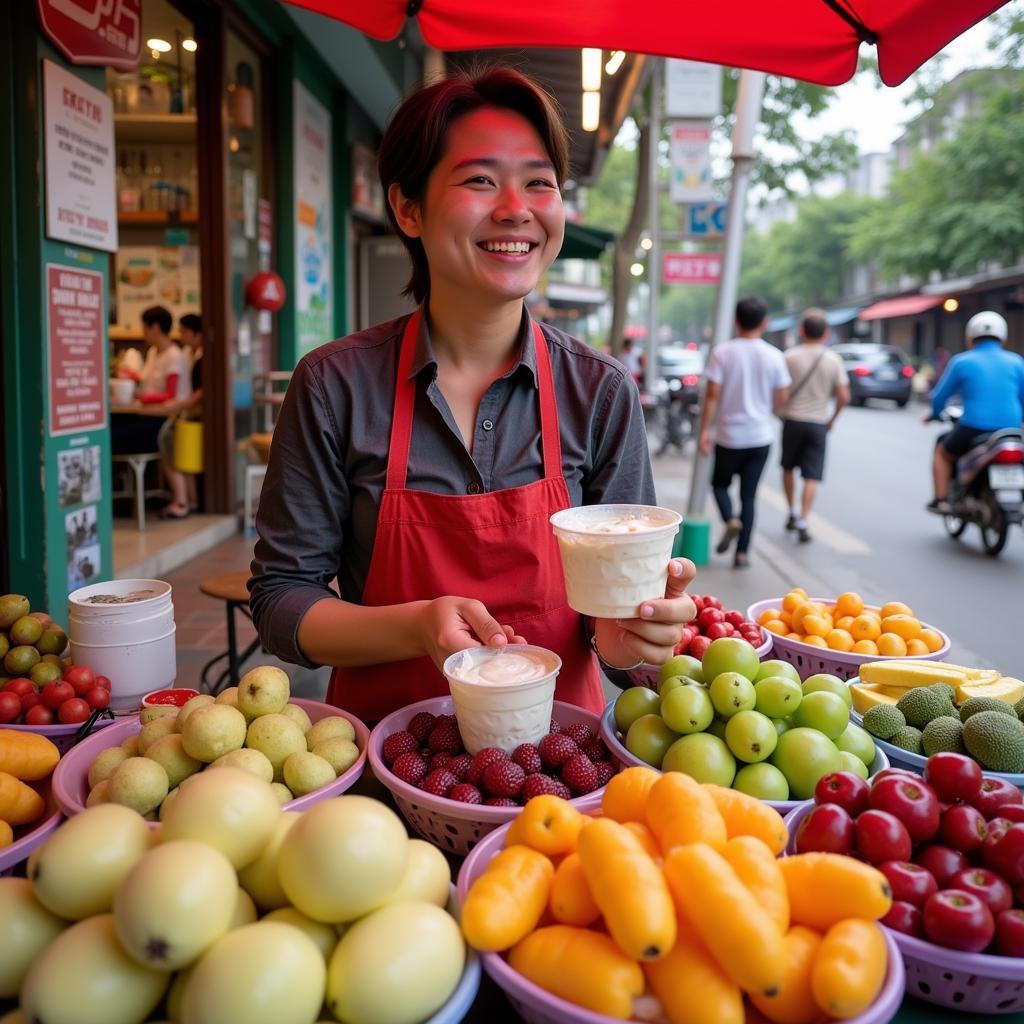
[74, 300]
[691, 267]
[105, 32]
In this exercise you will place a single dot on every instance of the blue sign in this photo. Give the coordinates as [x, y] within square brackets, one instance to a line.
[705, 220]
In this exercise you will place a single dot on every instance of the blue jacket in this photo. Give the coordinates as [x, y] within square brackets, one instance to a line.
[990, 383]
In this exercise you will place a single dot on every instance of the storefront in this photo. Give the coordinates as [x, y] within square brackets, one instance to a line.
[201, 157]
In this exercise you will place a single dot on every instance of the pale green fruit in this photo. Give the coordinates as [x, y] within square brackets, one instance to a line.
[400, 965]
[264, 973]
[305, 772]
[824, 682]
[325, 728]
[228, 696]
[169, 752]
[298, 716]
[151, 714]
[26, 929]
[282, 793]
[191, 706]
[139, 783]
[228, 809]
[852, 763]
[99, 794]
[343, 858]
[167, 803]
[104, 765]
[154, 731]
[213, 731]
[857, 741]
[247, 760]
[775, 667]
[85, 977]
[277, 737]
[245, 911]
[260, 878]
[263, 690]
[339, 752]
[174, 904]
[427, 877]
[324, 937]
[763, 781]
[131, 746]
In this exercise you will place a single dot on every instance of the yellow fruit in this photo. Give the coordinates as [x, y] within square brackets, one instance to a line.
[905, 626]
[844, 622]
[259, 878]
[26, 929]
[794, 1002]
[776, 626]
[1006, 689]
[865, 627]
[816, 625]
[932, 639]
[865, 647]
[849, 968]
[768, 615]
[795, 636]
[793, 600]
[916, 646]
[895, 608]
[913, 673]
[839, 640]
[866, 696]
[815, 641]
[849, 604]
[891, 645]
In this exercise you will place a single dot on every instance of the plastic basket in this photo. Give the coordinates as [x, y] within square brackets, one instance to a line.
[610, 735]
[30, 836]
[809, 660]
[71, 776]
[537, 1006]
[62, 736]
[452, 826]
[647, 674]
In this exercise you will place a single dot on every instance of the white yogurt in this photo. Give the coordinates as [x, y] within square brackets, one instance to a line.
[614, 557]
[502, 696]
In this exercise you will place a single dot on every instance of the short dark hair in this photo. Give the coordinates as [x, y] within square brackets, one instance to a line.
[192, 322]
[414, 141]
[814, 324]
[750, 312]
[159, 316]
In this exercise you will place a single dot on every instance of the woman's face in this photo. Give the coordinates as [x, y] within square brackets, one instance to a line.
[491, 220]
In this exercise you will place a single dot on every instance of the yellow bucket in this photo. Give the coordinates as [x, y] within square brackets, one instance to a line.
[188, 446]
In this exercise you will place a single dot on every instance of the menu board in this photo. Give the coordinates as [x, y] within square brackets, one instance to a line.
[154, 275]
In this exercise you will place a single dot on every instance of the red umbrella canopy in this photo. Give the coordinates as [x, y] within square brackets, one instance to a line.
[814, 40]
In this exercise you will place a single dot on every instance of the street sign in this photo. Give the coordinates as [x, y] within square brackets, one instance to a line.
[691, 267]
[692, 89]
[704, 220]
[690, 178]
[101, 32]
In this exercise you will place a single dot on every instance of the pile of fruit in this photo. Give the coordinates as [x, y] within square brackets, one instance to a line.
[429, 754]
[29, 640]
[237, 912]
[733, 720]
[26, 764]
[674, 905]
[928, 708]
[951, 845]
[252, 727]
[713, 622]
[850, 626]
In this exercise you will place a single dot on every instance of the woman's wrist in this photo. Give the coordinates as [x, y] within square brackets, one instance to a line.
[612, 654]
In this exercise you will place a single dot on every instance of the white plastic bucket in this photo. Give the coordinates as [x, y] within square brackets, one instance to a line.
[134, 669]
[102, 630]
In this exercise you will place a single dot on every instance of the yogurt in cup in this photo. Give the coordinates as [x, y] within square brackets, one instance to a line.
[615, 557]
[502, 695]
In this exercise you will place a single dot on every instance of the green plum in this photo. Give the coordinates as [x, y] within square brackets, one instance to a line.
[852, 763]
[775, 667]
[687, 709]
[730, 654]
[649, 738]
[823, 711]
[717, 727]
[782, 724]
[823, 682]
[674, 682]
[777, 696]
[858, 741]
[763, 780]
[804, 756]
[732, 692]
[751, 736]
[703, 757]
[631, 704]
[681, 665]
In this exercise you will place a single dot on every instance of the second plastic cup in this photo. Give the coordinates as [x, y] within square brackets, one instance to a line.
[502, 696]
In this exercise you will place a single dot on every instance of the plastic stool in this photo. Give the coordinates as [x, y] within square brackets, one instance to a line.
[137, 464]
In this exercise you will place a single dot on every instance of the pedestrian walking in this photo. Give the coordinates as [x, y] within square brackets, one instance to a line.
[747, 386]
[821, 388]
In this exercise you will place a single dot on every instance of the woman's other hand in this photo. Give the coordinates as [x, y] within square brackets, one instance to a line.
[450, 624]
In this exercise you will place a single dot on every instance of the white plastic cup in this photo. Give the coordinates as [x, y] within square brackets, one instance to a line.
[615, 557]
[497, 713]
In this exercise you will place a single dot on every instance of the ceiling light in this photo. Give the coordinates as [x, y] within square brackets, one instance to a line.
[951, 305]
[160, 45]
[591, 69]
[637, 270]
[591, 118]
[646, 243]
[189, 44]
[614, 62]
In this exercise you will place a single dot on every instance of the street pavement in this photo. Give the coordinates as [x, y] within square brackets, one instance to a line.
[871, 534]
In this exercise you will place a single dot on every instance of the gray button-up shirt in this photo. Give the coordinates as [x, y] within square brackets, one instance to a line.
[318, 510]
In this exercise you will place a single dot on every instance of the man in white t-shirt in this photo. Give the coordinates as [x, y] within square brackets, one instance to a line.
[747, 387]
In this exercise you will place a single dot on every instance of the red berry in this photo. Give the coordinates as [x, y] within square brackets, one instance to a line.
[396, 744]
[595, 750]
[440, 761]
[553, 727]
[439, 782]
[410, 768]
[465, 794]
[605, 772]
[561, 789]
[538, 785]
[504, 778]
[556, 750]
[527, 757]
[579, 733]
[579, 774]
[484, 759]
[445, 737]
[459, 765]
[499, 801]
[420, 725]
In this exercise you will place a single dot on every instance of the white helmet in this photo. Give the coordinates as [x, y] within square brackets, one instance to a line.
[986, 325]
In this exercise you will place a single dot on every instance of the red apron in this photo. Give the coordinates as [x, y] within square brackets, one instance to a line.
[498, 548]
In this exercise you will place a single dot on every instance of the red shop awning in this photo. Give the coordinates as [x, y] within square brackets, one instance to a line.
[814, 40]
[905, 305]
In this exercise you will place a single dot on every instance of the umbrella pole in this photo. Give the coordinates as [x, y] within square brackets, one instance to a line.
[748, 115]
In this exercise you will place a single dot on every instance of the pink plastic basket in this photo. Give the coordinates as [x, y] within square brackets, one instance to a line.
[71, 777]
[647, 674]
[62, 736]
[29, 837]
[610, 735]
[536, 1006]
[450, 825]
[810, 660]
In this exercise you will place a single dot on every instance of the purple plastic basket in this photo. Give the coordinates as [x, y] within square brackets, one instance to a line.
[536, 1006]
[810, 660]
[452, 826]
[627, 760]
[31, 837]
[647, 674]
[71, 777]
[62, 736]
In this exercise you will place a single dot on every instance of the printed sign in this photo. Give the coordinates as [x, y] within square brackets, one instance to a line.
[105, 32]
[692, 89]
[690, 162]
[81, 205]
[705, 220]
[75, 346]
[691, 267]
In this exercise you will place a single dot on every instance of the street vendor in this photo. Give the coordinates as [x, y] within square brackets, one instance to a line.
[418, 462]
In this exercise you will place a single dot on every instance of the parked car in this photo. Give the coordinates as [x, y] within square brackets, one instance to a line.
[877, 371]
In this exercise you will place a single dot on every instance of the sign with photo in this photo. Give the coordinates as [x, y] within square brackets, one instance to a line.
[690, 178]
[80, 475]
[81, 535]
[154, 275]
[81, 205]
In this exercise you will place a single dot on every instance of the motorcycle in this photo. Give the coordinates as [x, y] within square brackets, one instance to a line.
[987, 488]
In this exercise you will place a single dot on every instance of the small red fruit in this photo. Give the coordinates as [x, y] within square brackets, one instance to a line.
[1012, 812]
[904, 917]
[953, 776]
[39, 714]
[886, 773]
[993, 794]
[881, 836]
[398, 743]
[909, 882]
[986, 885]
[942, 862]
[709, 617]
[1010, 932]
[555, 750]
[98, 697]
[81, 678]
[103, 681]
[74, 710]
[850, 791]
[504, 778]
[712, 602]
[483, 759]
[698, 646]
[827, 828]
[963, 828]
[10, 707]
[579, 774]
[735, 618]
[912, 801]
[54, 694]
[410, 768]
[20, 687]
[1006, 857]
[30, 700]
[717, 630]
[698, 604]
[958, 920]
[465, 793]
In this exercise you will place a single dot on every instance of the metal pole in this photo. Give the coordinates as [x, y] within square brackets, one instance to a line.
[748, 114]
[654, 253]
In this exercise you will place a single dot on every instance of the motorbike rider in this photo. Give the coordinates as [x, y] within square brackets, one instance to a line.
[990, 383]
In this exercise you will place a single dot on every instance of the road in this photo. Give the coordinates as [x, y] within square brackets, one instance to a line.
[872, 534]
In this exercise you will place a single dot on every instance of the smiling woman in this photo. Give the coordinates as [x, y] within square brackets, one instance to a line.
[418, 462]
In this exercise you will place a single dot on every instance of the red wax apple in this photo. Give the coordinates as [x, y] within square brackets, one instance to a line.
[886, 773]
[709, 617]
[986, 885]
[827, 828]
[881, 836]
[10, 707]
[39, 714]
[698, 645]
[717, 630]
[1010, 932]
[942, 861]
[953, 776]
[735, 618]
[710, 601]
[844, 788]
[909, 882]
[698, 603]
[958, 920]
[912, 801]
[1006, 856]
[963, 828]
[993, 794]
[904, 917]
[1012, 812]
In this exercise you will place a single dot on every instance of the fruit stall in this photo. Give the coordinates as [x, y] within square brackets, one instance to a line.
[772, 826]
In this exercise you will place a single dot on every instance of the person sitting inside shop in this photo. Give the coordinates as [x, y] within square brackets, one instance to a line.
[184, 493]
